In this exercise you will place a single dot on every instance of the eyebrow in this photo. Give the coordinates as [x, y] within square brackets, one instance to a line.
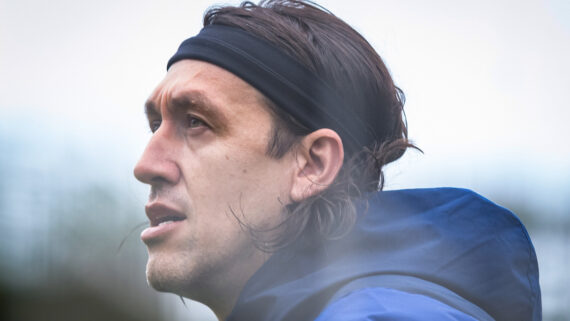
[150, 109]
[190, 101]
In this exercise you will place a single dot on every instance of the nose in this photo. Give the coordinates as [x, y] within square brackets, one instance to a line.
[158, 163]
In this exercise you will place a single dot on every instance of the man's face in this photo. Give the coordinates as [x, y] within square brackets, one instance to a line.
[207, 158]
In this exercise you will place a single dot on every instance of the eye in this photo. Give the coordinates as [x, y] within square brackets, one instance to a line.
[154, 125]
[194, 122]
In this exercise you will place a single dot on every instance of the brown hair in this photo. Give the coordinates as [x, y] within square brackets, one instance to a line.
[339, 55]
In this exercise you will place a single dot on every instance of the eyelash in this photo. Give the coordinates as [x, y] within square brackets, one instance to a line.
[155, 124]
[190, 119]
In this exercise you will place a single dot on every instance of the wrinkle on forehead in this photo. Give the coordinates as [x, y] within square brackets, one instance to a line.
[180, 102]
[209, 91]
[205, 76]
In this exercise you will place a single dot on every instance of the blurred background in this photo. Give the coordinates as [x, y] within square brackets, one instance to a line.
[487, 86]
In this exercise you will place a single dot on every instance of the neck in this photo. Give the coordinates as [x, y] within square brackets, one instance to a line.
[221, 294]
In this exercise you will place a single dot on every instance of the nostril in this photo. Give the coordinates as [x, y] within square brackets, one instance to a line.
[158, 181]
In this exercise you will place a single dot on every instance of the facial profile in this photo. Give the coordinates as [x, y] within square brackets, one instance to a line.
[206, 158]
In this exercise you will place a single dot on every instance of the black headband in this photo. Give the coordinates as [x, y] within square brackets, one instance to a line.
[290, 85]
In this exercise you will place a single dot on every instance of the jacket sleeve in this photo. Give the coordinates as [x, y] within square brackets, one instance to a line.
[383, 304]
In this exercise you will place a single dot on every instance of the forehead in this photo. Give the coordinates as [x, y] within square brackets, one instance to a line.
[201, 85]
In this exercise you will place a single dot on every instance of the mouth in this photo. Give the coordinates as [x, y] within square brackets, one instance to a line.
[163, 220]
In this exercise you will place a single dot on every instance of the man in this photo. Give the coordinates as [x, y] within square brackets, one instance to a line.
[271, 129]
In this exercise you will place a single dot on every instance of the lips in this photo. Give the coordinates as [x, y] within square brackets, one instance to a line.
[160, 214]
[163, 220]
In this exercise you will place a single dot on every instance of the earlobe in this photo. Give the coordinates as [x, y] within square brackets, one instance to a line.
[320, 157]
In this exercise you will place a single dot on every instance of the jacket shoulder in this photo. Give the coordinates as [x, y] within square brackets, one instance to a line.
[383, 304]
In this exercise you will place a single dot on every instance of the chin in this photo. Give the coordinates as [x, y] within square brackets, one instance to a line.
[166, 275]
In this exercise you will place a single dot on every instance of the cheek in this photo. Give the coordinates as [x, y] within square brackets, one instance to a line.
[228, 166]
[223, 177]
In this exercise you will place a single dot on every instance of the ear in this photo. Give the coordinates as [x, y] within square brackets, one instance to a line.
[319, 159]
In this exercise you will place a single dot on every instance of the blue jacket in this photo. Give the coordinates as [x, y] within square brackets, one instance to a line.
[425, 254]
